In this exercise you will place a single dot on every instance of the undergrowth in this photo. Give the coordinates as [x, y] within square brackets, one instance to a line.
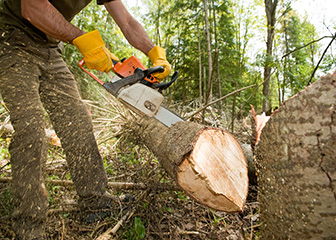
[155, 214]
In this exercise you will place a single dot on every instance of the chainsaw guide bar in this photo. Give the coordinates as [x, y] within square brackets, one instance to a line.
[138, 89]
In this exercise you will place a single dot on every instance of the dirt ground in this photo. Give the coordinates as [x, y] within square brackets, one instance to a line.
[157, 213]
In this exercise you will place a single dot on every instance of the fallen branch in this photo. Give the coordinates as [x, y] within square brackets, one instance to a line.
[321, 58]
[5, 165]
[255, 91]
[114, 185]
[111, 231]
[219, 99]
[4, 106]
[61, 210]
[180, 232]
[306, 45]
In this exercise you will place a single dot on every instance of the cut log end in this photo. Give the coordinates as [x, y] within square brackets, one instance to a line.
[207, 163]
[215, 172]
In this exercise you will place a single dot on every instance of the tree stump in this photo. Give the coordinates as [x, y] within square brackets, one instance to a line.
[296, 166]
[207, 163]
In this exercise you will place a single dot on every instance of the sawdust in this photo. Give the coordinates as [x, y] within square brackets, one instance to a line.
[162, 214]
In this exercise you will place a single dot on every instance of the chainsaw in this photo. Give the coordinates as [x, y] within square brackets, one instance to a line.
[138, 89]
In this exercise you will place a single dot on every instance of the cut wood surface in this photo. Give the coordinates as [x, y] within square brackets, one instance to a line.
[296, 167]
[207, 163]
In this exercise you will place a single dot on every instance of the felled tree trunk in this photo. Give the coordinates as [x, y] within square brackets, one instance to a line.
[207, 163]
[296, 165]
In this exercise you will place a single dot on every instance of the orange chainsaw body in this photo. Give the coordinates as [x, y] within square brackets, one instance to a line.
[126, 68]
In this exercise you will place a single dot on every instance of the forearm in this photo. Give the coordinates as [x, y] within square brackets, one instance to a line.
[131, 28]
[138, 37]
[49, 20]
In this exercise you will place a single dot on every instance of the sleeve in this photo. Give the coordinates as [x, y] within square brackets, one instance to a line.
[101, 2]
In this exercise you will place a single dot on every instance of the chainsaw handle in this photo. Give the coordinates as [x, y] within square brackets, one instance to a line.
[163, 86]
[152, 70]
[81, 65]
[138, 75]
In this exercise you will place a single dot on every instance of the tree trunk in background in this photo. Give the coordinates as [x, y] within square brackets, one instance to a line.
[157, 25]
[216, 58]
[207, 163]
[286, 67]
[233, 110]
[296, 165]
[270, 7]
[200, 67]
[207, 30]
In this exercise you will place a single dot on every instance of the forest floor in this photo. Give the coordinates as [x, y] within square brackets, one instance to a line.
[164, 213]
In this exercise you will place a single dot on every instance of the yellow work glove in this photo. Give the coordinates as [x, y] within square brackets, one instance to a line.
[95, 54]
[158, 57]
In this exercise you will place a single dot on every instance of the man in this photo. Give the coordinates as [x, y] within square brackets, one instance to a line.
[33, 77]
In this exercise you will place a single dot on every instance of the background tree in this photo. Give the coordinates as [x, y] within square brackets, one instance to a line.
[297, 63]
[192, 47]
[270, 8]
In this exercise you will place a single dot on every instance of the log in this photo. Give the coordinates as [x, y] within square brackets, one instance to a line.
[207, 163]
[295, 162]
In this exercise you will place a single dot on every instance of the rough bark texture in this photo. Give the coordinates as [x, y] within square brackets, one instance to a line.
[296, 167]
[207, 163]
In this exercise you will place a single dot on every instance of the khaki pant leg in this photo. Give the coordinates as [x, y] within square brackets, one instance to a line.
[19, 87]
[73, 125]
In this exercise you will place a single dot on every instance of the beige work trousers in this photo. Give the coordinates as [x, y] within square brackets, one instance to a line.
[34, 77]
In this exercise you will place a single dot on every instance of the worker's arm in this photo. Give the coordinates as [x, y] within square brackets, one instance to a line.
[43, 15]
[49, 20]
[131, 28]
[138, 37]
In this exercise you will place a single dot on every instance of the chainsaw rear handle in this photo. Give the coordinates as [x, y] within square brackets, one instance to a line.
[138, 75]
[146, 72]
[163, 86]
[114, 87]
[153, 70]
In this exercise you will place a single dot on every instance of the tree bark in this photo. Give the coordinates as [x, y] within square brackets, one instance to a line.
[296, 167]
[207, 163]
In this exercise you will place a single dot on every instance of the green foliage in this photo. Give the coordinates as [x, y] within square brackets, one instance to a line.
[181, 31]
[298, 63]
[136, 231]
[181, 195]
[329, 62]
[216, 219]
[128, 156]
[4, 153]
[108, 168]
[139, 228]
[53, 193]
[179, 27]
